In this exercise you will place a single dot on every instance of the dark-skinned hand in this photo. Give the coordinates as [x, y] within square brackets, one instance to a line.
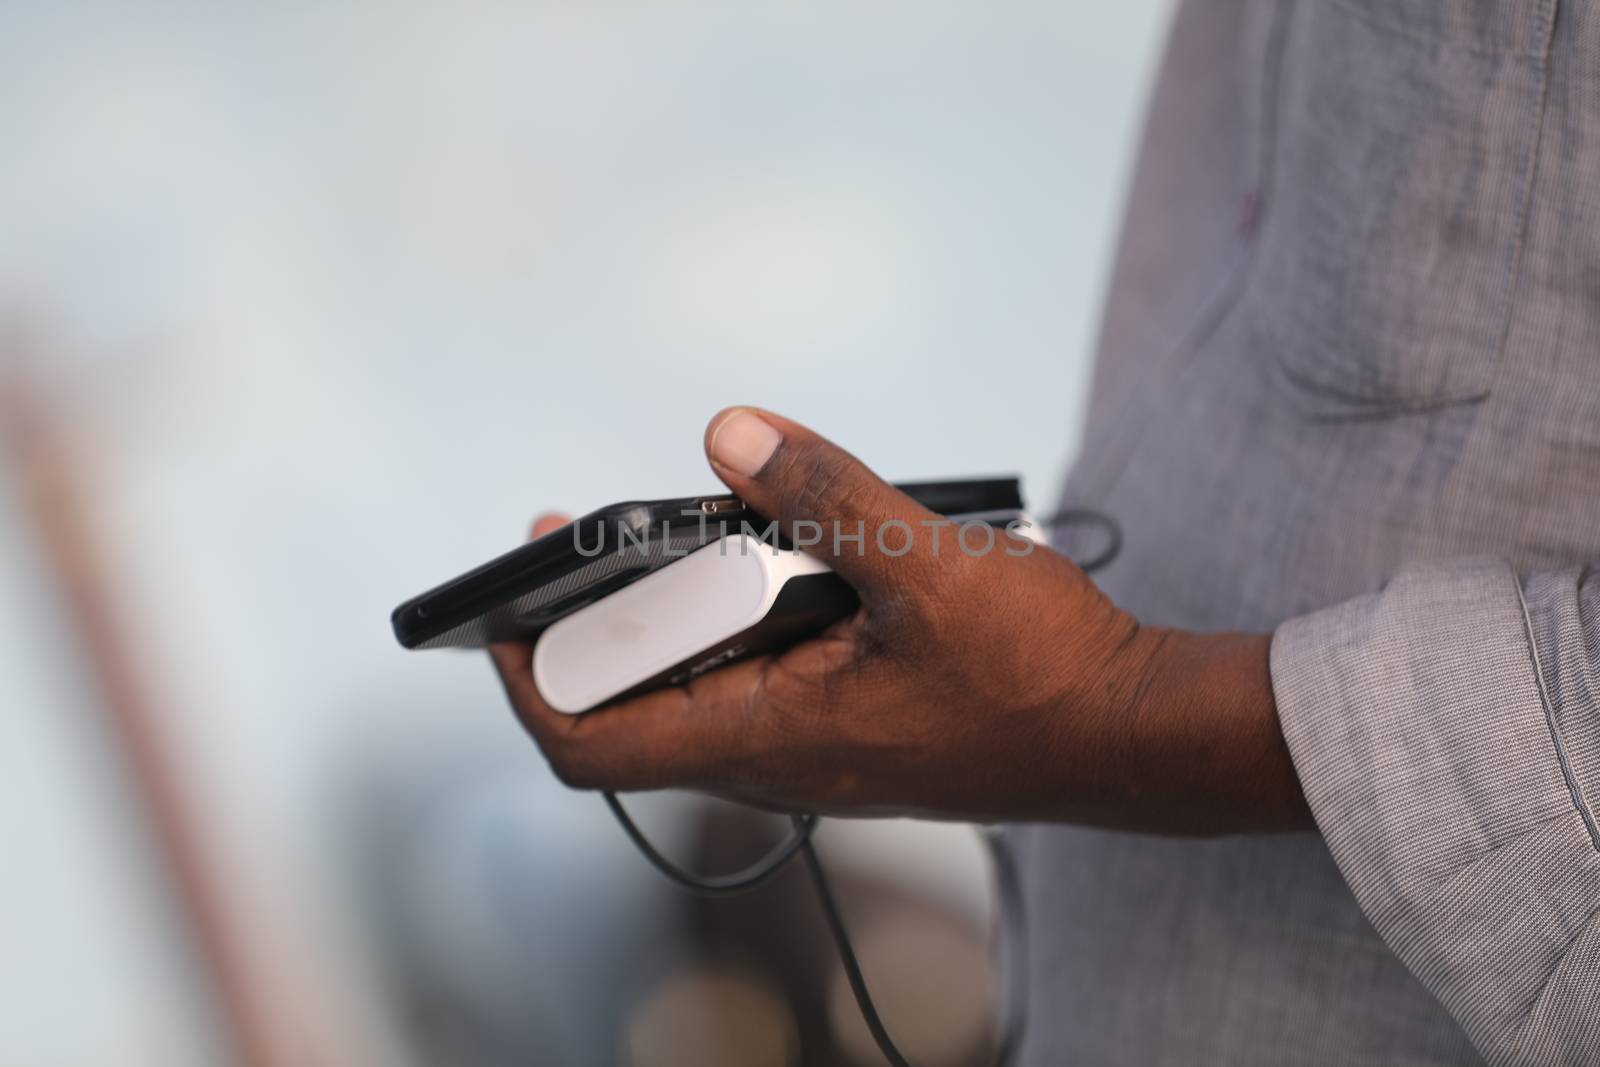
[992, 685]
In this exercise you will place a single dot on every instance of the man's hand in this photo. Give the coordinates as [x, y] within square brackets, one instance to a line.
[977, 684]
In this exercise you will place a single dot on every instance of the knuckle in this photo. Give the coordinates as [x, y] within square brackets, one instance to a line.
[823, 482]
[571, 768]
[928, 612]
[573, 776]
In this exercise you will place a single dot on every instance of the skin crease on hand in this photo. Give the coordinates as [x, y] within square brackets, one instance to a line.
[990, 687]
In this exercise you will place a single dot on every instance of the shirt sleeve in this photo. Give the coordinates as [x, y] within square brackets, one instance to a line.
[1447, 734]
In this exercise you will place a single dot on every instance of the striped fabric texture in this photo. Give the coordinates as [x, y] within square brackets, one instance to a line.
[1348, 392]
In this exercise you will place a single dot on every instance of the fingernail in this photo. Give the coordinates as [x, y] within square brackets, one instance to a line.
[743, 442]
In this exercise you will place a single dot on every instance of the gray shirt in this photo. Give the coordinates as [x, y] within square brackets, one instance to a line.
[1349, 392]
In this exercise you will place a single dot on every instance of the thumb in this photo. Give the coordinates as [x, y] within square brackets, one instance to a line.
[825, 500]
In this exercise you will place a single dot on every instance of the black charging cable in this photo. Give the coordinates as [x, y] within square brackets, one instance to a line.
[1007, 882]
[1110, 534]
[728, 885]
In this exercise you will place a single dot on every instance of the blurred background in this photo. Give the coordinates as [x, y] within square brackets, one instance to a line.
[307, 307]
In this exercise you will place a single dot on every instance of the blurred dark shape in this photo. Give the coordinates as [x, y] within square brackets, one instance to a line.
[518, 927]
[928, 969]
[509, 931]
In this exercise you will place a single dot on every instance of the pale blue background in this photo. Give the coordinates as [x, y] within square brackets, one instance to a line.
[336, 296]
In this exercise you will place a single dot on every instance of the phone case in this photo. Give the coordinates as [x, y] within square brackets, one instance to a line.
[514, 597]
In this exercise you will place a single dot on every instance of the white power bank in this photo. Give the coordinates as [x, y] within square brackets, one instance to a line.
[734, 598]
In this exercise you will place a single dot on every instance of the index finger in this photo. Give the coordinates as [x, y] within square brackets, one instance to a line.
[688, 735]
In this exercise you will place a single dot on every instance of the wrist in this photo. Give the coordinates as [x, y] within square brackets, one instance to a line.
[1205, 737]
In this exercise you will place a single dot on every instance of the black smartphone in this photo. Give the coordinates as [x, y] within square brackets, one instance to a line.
[515, 596]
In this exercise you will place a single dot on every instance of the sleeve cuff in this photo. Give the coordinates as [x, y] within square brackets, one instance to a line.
[1419, 725]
